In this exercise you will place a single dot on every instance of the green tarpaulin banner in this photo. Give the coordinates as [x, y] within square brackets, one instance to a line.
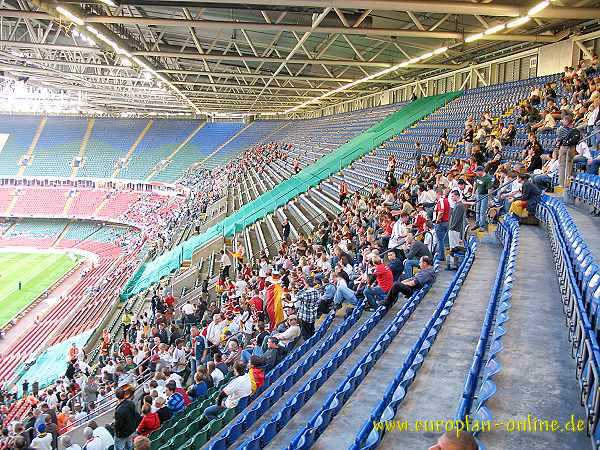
[151, 272]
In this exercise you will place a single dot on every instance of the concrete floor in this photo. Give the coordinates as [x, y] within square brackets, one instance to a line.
[438, 386]
[342, 429]
[538, 375]
[588, 225]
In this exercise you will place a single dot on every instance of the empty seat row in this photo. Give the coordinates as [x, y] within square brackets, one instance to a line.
[479, 384]
[582, 331]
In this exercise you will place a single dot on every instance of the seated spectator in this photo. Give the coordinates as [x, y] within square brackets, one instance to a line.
[414, 251]
[410, 285]
[290, 334]
[271, 356]
[230, 395]
[547, 123]
[150, 421]
[199, 389]
[379, 282]
[163, 411]
[544, 179]
[342, 292]
[175, 401]
[526, 204]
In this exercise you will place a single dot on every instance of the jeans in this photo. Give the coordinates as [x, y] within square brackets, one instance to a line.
[213, 411]
[481, 210]
[374, 295]
[123, 443]
[441, 233]
[409, 264]
[344, 294]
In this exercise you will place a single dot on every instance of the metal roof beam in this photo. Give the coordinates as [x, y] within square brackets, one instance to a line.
[216, 25]
[432, 6]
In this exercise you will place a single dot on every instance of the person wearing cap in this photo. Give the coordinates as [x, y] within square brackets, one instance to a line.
[308, 304]
[43, 441]
[483, 184]
[291, 333]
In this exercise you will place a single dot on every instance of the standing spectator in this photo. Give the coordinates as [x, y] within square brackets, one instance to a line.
[126, 321]
[566, 141]
[308, 299]
[343, 190]
[285, 229]
[43, 441]
[126, 420]
[483, 185]
[225, 265]
[441, 217]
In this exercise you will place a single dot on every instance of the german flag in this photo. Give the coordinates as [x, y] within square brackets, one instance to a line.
[257, 377]
[274, 302]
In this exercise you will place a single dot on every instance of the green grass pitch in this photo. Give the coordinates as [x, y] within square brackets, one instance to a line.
[35, 271]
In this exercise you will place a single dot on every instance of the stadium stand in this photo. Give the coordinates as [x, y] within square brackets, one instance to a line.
[21, 132]
[109, 143]
[210, 137]
[57, 147]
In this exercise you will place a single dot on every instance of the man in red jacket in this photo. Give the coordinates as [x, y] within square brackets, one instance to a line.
[380, 282]
[150, 421]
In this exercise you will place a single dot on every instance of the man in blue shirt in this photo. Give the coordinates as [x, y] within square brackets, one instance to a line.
[395, 265]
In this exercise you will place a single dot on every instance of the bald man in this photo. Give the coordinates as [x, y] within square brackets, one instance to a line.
[449, 441]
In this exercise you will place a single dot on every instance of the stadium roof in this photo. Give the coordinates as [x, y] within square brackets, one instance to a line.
[272, 56]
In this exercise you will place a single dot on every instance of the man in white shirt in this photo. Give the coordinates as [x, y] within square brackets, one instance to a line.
[43, 441]
[92, 442]
[399, 231]
[225, 265]
[214, 330]
[236, 389]
[101, 433]
[291, 333]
